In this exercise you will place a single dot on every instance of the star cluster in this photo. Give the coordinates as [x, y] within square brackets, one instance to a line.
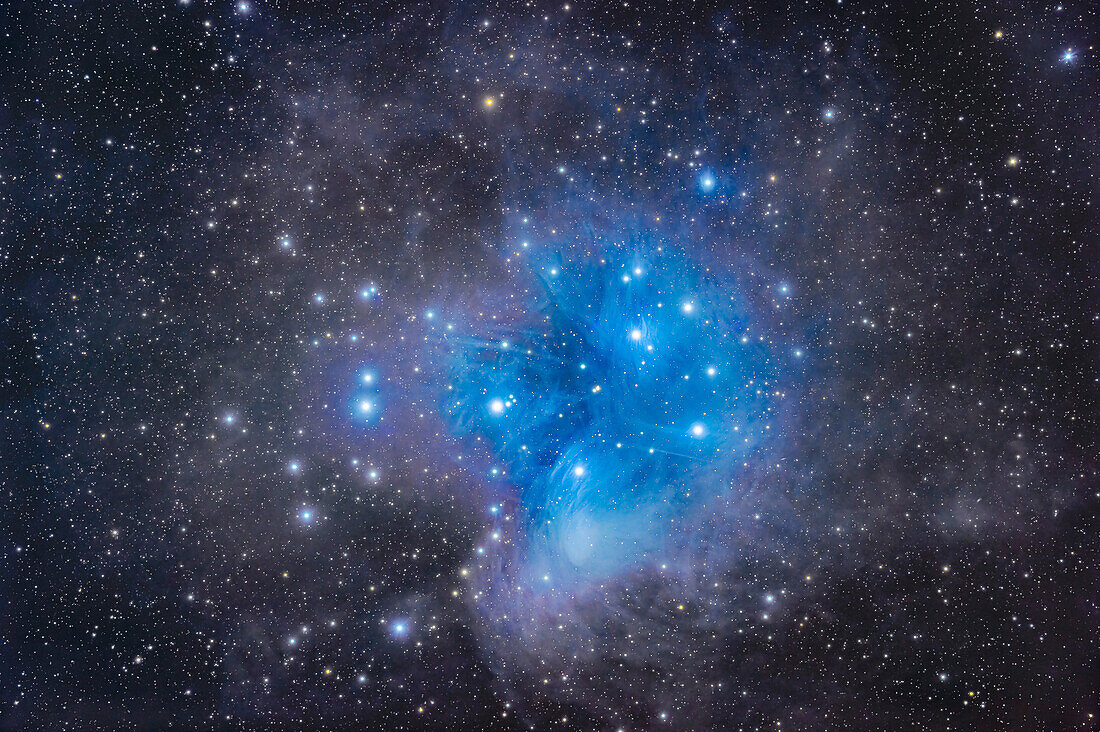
[625, 401]
[525, 366]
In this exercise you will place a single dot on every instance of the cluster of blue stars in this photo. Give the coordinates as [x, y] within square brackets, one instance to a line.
[637, 392]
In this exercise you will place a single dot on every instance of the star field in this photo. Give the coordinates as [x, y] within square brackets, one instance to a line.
[550, 366]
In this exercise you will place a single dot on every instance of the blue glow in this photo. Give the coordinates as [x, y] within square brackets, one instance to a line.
[621, 412]
[707, 182]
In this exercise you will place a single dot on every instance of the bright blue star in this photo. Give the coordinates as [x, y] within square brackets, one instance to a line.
[366, 402]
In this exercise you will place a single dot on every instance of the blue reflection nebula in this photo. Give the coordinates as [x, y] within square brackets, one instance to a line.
[622, 402]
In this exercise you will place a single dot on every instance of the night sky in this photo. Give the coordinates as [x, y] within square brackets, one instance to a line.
[535, 366]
